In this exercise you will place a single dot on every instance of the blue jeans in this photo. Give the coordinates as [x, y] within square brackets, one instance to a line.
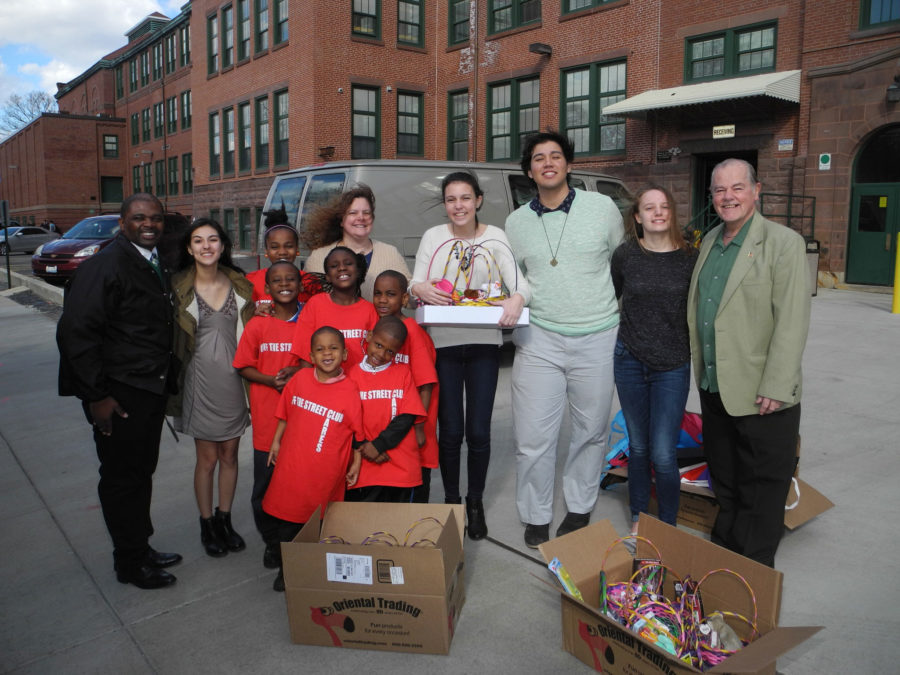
[466, 372]
[653, 405]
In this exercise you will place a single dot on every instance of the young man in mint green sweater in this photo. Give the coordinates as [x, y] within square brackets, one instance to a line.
[563, 241]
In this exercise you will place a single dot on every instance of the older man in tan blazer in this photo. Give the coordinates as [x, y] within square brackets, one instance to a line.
[748, 315]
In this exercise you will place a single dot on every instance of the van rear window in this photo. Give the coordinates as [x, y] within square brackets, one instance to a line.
[322, 189]
[288, 192]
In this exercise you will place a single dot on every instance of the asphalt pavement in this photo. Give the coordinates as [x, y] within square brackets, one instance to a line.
[62, 610]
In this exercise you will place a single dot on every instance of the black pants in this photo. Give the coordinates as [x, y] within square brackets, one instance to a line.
[380, 493]
[127, 461]
[751, 461]
[262, 475]
[422, 494]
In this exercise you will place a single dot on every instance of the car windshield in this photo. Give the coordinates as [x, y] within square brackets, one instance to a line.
[94, 228]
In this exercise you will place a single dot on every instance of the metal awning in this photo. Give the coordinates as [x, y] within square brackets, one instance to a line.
[784, 85]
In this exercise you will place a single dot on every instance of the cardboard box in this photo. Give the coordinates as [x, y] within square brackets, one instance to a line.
[462, 316]
[391, 598]
[608, 647]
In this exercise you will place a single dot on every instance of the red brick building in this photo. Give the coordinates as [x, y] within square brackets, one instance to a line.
[647, 90]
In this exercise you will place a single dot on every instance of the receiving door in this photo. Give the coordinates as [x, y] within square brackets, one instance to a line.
[873, 234]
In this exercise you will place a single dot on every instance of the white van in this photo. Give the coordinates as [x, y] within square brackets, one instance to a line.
[408, 194]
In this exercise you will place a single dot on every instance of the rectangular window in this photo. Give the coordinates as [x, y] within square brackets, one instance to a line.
[212, 44]
[215, 148]
[585, 92]
[120, 87]
[246, 230]
[366, 143]
[157, 61]
[410, 124]
[148, 178]
[172, 115]
[575, 5]
[513, 111]
[458, 126]
[160, 178]
[244, 137]
[145, 124]
[173, 176]
[459, 21]
[875, 13]
[135, 129]
[410, 26]
[187, 108]
[187, 174]
[228, 37]
[111, 189]
[243, 29]
[228, 141]
[133, 75]
[170, 53]
[159, 119]
[506, 14]
[135, 179]
[281, 21]
[184, 36]
[110, 145]
[735, 52]
[229, 225]
[145, 68]
[262, 133]
[282, 130]
[367, 18]
[262, 25]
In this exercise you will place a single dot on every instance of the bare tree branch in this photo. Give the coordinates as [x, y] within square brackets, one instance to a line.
[19, 111]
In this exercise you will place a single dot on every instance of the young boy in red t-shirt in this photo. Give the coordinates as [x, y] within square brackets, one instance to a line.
[419, 354]
[264, 359]
[319, 416]
[391, 405]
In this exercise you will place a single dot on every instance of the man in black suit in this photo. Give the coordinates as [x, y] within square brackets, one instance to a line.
[115, 339]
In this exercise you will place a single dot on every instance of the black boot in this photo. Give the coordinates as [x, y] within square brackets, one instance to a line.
[210, 538]
[475, 517]
[232, 539]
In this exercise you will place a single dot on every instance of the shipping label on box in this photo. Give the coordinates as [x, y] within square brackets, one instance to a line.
[377, 596]
[462, 316]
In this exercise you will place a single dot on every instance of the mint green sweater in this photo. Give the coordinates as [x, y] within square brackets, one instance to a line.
[576, 297]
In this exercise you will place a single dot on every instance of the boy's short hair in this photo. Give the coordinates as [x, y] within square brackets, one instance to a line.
[282, 262]
[531, 142]
[392, 326]
[399, 277]
[327, 329]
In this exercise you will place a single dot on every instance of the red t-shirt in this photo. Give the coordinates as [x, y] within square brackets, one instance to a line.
[311, 286]
[315, 451]
[265, 345]
[384, 395]
[352, 320]
[418, 352]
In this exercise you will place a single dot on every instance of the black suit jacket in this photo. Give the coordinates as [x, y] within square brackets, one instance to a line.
[116, 325]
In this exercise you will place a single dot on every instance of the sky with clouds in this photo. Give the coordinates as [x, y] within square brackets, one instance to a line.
[43, 42]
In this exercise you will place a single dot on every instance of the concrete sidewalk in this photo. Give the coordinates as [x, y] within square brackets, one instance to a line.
[62, 610]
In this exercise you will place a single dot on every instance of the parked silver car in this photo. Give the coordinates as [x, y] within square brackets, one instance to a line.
[25, 239]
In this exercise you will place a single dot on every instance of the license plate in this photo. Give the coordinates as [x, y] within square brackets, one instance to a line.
[51, 269]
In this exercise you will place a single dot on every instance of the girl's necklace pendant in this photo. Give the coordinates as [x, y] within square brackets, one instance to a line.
[553, 262]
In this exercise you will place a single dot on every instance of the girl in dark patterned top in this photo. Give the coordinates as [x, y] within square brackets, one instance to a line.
[651, 272]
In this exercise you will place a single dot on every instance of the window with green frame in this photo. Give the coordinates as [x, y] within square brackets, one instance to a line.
[410, 124]
[133, 75]
[366, 142]
[145, 124]
[367, 18]
[110, 145]
[877, 13]
[245, 135]
[172, 114]
[243, 29]
[212, 44]
[281, 147]
[575, 5]
[229, 226]
[148, 178]
[228, 141]
[245, 230]
[184, 36]
[159, 119]
[135, 179]
[261, 10]
[187, 173]
[120, 87]
[215, 147]
[280, 29]
[586, 90]
[145, 68]
[410, 27]
[187, 109]
[170, 53]
[228, 36]
[458, 24]
[458, 125]
[739, 51]
[157, 61]
[506, 14]
[135, 129]
[160, 169]
[262, 132]
[173, 176]
[513, 114]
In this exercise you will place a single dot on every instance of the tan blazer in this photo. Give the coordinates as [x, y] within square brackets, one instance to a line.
[763, 318]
